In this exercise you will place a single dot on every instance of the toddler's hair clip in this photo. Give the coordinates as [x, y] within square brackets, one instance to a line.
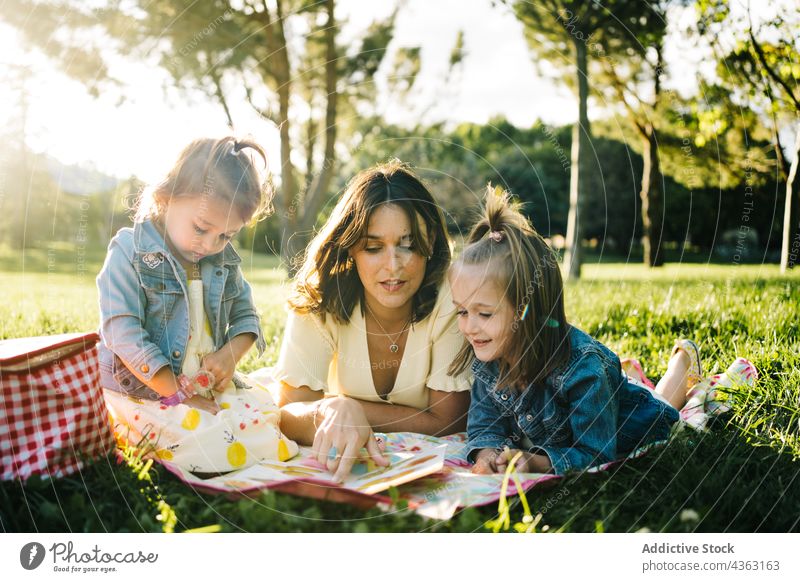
[551, 322]
[496, 235]
[524, 312]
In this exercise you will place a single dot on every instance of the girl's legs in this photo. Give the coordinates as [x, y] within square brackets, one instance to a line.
[674, 385]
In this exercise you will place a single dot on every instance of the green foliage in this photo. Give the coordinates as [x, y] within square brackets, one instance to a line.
[534, 164]
[503, 521]
[457, 53]
[762, 62]
[609, 30]
[407, 63]
[41, 28]
[133, 458]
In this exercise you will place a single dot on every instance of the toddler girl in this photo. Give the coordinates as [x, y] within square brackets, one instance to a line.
[177, 316]
[542, 386]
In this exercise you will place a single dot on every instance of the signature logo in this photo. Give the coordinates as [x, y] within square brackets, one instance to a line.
[31, 555]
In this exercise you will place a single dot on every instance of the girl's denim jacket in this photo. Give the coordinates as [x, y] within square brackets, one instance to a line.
[584, 413]
[144, 309]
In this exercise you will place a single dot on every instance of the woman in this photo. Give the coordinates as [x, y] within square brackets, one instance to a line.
[371, 330]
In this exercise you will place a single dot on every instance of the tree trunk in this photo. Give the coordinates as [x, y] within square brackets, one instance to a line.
[578, 174]
[652, 201]
[790, 245]
[311, 145]
[318, 188]
[282, 73]
[220, 94]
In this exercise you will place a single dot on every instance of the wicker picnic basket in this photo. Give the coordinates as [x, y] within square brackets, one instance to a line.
[52, 415]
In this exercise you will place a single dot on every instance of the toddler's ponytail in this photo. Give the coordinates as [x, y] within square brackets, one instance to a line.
[527, 270]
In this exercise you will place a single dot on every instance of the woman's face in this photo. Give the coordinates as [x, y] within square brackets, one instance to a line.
[390, 271]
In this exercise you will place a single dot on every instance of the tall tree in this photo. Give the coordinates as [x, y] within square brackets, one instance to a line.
[763, 67]
[632, 65]
[569, 30]
[281, 54]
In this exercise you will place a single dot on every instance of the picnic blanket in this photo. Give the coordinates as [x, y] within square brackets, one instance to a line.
[437, 495]
[448, 485]
[431, 474]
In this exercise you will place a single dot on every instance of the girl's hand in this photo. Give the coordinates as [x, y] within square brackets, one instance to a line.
[485, 462]
[504, 458]
[527, 463]
[201, 403]
[222, 364]
[343, 426]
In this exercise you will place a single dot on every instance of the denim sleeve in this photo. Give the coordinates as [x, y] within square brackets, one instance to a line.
[592, 417]
[487, 428]
[244, 317]
[122, 309]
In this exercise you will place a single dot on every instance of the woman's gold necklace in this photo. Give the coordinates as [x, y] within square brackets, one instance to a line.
[393, 347]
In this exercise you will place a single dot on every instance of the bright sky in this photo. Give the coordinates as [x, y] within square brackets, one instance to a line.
[143, 135]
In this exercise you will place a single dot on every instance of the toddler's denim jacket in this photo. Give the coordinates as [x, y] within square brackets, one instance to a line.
[144, 315]
[584, 413]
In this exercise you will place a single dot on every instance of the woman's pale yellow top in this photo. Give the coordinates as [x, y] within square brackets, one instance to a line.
[334, 358]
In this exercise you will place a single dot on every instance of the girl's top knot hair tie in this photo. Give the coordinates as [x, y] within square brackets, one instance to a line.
[496, 235]
[238, 146]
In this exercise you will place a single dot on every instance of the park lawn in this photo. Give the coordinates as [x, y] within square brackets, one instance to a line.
[741, 476]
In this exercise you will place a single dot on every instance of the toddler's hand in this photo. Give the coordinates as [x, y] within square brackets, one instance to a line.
[202, 403]
[222, 364]
[201, 383]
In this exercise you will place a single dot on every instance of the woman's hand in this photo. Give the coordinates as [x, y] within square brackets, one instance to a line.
[342, 424]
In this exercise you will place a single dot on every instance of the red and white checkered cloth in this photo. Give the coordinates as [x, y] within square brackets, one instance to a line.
[52, 417]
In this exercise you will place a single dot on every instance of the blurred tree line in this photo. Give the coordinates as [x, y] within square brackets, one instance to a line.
[533, 163]
[658, 171]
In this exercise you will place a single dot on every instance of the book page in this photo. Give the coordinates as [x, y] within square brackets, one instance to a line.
[365, 477]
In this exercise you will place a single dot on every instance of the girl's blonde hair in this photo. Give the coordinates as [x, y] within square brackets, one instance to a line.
[223, 168]
[519, 260]
[328, 282]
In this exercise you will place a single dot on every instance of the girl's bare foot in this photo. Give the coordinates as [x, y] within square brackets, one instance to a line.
[683, 372]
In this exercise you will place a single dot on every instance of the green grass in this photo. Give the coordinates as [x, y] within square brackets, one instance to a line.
[741, 476]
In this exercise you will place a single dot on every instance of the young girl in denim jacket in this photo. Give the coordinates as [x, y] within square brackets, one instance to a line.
[541, 386]
[177, 316]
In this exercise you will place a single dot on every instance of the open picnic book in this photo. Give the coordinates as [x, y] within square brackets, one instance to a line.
[429, 473]
[366, 477]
